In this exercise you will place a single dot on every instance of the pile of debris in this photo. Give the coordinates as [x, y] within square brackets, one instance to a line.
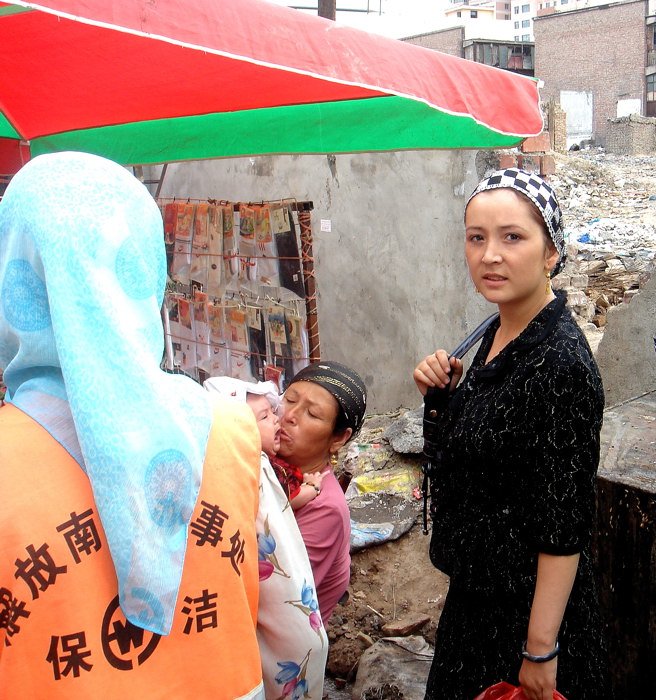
[609, 208]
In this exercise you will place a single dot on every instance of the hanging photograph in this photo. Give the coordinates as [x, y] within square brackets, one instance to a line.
[230, 247]
[214, 259]
[267, 263]
[289, 263]
[247, 259]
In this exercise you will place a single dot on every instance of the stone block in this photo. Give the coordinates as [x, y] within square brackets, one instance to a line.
[580, 281]
[547, 166]
[529, 162]
[537, 144]
[507, 160]
[405, 626]
[576, 298]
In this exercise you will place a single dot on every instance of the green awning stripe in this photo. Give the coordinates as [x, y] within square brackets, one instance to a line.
[6, 129]
[13, 10]
[376, 124]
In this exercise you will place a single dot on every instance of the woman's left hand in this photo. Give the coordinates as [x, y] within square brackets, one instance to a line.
[538, 681]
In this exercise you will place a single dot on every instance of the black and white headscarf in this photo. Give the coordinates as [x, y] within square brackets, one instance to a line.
[540, 193]
[344, 384]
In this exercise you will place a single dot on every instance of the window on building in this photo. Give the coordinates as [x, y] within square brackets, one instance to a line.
[506, 6]
[526, 37]
[651, 95]
[526, 23]
[473, 13]
[548, 4]
[516, 25]
[458, 14]
[526, 8]
[516, 9]
[564, 2]
[517, 37]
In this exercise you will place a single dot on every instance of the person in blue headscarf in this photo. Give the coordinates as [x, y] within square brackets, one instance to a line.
[128, 556]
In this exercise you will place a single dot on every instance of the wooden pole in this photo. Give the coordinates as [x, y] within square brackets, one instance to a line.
[327, 9]
[305, 224]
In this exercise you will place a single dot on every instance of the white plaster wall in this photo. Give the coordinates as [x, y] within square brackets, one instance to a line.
[392, 283]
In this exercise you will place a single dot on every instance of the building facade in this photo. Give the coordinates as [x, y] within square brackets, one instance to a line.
[593, 63]
[517, 57]
[523, 12]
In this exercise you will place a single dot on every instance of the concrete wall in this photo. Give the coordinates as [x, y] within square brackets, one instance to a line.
[599, 50]
[392, 283]
[627, 352]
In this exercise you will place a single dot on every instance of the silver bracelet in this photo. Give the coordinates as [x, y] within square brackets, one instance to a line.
[541, 659]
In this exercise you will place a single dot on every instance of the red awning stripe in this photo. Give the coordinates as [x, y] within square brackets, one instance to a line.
[251, 31]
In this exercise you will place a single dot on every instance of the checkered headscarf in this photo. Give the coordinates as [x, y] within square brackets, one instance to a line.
[541, 194]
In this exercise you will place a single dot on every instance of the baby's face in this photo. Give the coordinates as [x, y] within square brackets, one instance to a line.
[268, 422]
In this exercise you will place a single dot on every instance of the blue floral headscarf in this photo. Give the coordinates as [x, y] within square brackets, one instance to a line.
[82, 276]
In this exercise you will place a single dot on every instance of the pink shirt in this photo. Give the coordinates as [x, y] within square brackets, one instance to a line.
[325, 524]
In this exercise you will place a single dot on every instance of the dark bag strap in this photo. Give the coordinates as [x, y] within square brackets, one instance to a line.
[434, 403]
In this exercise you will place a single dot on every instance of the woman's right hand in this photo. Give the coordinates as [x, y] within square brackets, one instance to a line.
[436, 370]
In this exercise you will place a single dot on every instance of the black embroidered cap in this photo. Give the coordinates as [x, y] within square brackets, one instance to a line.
[540, 193]
[343, 383]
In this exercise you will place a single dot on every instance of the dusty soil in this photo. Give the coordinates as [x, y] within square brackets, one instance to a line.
[389, 582]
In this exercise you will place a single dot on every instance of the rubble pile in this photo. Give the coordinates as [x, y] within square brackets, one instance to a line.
[609, 208]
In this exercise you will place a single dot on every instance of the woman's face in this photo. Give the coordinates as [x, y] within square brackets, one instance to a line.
[506, 248]
[307, 437]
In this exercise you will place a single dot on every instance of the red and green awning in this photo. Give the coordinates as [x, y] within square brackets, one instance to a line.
[149, 82]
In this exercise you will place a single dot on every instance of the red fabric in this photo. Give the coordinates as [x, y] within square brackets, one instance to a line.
[505, 691]
[13, 155]
[283, 56]
[289, 476]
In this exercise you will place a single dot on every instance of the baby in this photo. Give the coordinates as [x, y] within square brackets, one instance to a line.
[267, 408]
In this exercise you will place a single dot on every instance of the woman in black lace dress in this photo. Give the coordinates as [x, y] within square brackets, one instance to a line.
[513, 505]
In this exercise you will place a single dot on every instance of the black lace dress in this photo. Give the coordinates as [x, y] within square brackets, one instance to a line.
[520, 451]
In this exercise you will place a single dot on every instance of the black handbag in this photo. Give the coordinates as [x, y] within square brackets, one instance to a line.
[434, 402]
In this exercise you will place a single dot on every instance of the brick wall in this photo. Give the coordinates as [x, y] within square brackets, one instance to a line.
[558, 127]
[598, 49]
[631, 135]
[534, 155]
[447, 41]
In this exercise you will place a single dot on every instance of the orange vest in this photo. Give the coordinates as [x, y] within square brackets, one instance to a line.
[62, 633]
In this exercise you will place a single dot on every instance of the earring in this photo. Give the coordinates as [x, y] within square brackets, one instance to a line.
[333, 459]
[477, 290]
[547, 274]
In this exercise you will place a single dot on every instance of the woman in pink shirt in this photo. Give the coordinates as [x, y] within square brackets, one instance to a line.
[324, 408]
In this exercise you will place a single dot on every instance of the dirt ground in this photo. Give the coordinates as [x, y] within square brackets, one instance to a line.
[389, 582]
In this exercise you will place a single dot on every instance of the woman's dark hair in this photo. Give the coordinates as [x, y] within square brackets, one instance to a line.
[342, 423]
